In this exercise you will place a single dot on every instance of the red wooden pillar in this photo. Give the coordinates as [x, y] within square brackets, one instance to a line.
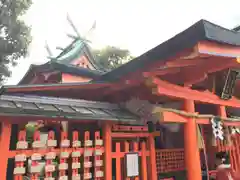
[108, 151]
[153, 165]
[4, 144]
[192, 156]
[144, 161]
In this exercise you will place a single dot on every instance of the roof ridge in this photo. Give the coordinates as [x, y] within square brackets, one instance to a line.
[218, 26]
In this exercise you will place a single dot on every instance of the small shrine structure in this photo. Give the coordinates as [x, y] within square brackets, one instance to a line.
[163, 115]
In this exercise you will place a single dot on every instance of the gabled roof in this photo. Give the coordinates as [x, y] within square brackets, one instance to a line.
[63, 64]
[76, 49]
[69, 109]
[200, 31]
[57, 66]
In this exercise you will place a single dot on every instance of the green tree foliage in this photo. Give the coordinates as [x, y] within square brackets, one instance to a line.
[112, 57]
[14, 34]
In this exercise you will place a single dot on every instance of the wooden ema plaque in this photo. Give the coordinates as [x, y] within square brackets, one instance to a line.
[79, 156]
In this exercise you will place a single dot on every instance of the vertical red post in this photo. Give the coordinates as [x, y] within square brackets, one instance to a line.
[153, 165]
[4, 144]
[135, 148]
[192, 156]
[108, 151]
[118, 162]
[144, 161]
[126, 149]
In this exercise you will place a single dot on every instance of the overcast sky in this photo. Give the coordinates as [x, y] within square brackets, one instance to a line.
[138, 25]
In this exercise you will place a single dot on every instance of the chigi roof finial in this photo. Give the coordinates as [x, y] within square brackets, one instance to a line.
[48, 49]
[237, 28]
[78, 35]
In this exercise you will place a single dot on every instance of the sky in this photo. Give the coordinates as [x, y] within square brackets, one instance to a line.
[137, 25]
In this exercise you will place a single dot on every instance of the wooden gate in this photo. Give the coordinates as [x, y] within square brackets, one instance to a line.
[133, 139]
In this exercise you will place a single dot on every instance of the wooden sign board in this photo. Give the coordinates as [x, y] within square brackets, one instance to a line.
[132, 164]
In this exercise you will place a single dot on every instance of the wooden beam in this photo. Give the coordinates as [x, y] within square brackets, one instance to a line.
[174, 65]
[185, 62]
[178, 92]
[216, 49]
[121, 86]
[171, 117]
[159, 72]
[198, 77]
[196, 74]
[54, 87]
[161, 63]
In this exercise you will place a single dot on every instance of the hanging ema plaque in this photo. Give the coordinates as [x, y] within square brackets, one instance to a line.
[132, 164]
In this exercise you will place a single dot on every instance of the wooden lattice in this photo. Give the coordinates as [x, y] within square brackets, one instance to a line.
[169, 160]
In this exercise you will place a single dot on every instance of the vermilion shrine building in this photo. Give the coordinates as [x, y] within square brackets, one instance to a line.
[163, 111]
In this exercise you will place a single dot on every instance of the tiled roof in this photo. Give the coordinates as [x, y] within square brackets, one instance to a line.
[70, 109]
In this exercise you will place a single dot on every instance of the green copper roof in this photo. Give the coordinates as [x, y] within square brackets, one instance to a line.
[73, 52]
